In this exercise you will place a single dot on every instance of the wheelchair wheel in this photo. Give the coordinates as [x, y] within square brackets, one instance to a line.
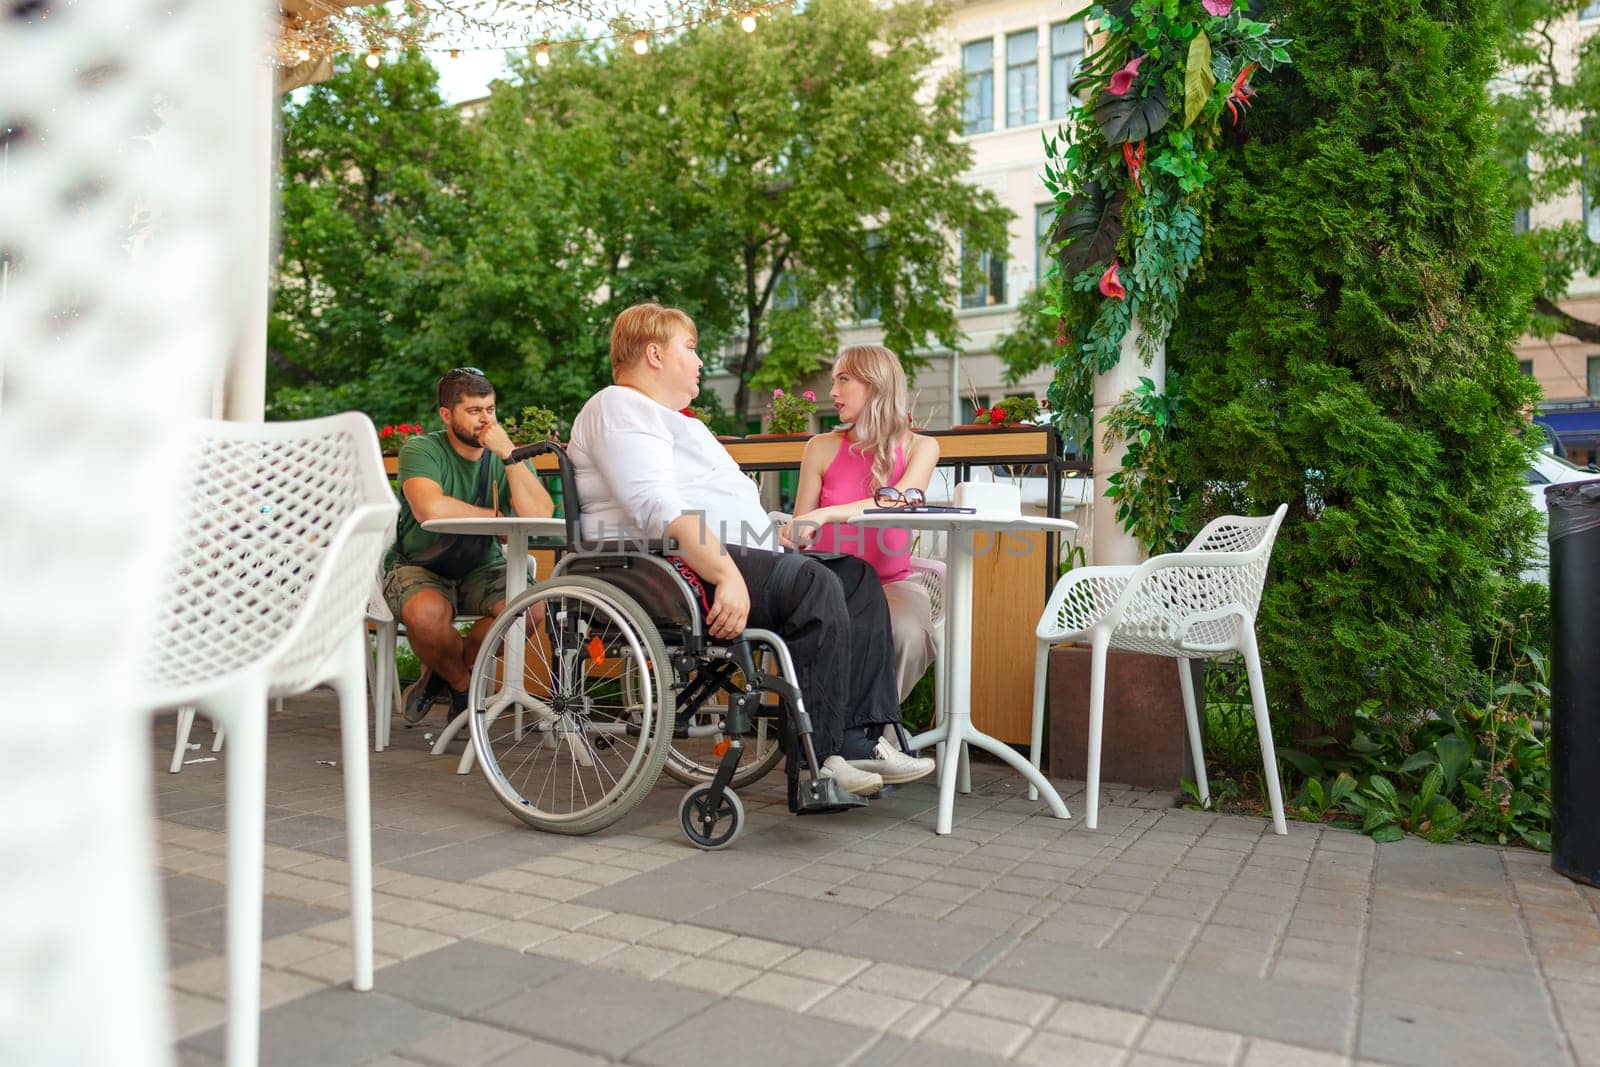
[725, 823]
[577, 740]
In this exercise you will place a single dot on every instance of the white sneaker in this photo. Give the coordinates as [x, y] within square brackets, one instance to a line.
[892, 765]
[850, 778]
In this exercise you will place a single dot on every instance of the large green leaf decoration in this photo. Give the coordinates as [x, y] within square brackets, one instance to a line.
[1198, 81]
[1088, 229]
[1131, 117]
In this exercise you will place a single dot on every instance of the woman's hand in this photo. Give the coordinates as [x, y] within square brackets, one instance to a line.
[804, 528]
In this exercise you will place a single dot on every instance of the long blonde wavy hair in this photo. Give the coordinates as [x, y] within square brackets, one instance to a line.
[886, 418]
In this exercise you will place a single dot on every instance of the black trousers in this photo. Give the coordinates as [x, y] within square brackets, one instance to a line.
[829, 609]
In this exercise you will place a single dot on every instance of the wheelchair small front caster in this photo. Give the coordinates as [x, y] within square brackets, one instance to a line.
[709, 829]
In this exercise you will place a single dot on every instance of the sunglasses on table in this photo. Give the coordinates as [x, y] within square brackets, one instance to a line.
[889, 497]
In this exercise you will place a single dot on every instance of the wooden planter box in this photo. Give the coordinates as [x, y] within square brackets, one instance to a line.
[1143, 739]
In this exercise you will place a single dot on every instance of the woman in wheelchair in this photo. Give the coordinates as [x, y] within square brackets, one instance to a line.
[644, 470]
[872, 460]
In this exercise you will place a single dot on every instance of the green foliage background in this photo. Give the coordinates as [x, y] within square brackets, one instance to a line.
[702, 174]
[1349, 351]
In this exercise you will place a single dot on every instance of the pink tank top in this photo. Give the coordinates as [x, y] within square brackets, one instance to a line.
[849, 478]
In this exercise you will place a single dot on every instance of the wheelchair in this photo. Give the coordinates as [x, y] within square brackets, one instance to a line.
[595, 680]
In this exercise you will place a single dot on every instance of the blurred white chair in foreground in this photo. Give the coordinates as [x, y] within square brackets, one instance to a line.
[1196, 604]
[263, 596]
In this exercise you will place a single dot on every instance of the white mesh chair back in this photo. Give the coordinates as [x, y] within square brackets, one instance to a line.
[929, 573]
[283, 526]
[1188, 603]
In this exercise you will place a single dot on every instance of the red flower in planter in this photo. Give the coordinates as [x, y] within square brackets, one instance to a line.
[1111, 282]
[686, 411]
[1122, 80]
[997, 416]
[387, 431]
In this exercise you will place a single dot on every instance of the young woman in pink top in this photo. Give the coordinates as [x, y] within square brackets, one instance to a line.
[839, 474]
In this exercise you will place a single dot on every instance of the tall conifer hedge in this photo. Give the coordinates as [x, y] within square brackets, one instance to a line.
[1349, 351]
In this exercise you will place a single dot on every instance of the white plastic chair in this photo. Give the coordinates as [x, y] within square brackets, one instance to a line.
[282, 528]
[1196, 604]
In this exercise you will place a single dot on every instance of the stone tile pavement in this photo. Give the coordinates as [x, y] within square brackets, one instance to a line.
[1165, 937]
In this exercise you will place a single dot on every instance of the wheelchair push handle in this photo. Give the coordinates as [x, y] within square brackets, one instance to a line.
[569, 482]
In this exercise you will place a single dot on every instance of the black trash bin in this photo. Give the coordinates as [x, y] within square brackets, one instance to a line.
[1574, 509]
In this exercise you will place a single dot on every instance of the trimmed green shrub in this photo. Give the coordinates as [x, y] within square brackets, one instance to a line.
[1349, 351]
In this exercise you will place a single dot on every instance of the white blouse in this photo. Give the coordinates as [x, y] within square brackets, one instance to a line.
[640, 465]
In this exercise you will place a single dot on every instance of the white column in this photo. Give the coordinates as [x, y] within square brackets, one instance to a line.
[244, 385]
[1112, 544]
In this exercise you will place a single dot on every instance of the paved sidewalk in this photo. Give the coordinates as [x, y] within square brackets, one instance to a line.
[1164, 937]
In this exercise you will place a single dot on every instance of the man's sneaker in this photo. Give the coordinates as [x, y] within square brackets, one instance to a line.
[421, 695]
[892, 765]
[458, 702]
[850, 779]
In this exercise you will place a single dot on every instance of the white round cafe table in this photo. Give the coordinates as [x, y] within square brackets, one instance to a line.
[957, 727]
[517, 531]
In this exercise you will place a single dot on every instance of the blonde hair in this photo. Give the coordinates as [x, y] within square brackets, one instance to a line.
[641, 326]
[886, 418]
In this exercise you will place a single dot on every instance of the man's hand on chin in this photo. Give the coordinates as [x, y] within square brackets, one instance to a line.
[496, 440]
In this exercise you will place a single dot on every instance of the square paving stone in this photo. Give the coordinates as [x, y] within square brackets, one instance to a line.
[908, 940]
[739, 1034]
[466, 976]
[777, 917]
[600, 1011]
[209, 929]
[296, 832]
[458, 862]
[1098, 976]
[658, 894]
[1425, 1035]
[1487, 992]
[182, 895]
[333, 1027]
[1283, 1011]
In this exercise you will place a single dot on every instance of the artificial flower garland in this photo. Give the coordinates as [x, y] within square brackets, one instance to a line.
[1130, 172]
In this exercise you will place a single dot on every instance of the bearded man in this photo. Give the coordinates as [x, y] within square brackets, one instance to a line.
[456, 472]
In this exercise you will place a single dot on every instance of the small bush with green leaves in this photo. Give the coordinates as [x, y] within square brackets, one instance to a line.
[1478, 772]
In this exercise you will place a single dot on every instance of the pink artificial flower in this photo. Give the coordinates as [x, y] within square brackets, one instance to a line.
[776, 393]
[809, 395]
[1122, 80]
[1218, 8]
[1111, 282]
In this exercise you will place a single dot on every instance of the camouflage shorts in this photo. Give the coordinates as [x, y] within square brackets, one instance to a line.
[475, 594]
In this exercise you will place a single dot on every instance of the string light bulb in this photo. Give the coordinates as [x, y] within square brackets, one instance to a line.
[542, 56]
[641, 43]
[372, 59]
[748, 23]
[455, 53]
[302, 54]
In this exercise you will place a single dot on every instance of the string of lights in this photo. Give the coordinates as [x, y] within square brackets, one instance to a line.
[316, 29]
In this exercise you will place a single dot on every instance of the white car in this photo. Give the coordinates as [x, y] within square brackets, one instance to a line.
[1545, 470]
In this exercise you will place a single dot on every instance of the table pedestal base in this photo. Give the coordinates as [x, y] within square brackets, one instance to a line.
[957, 731]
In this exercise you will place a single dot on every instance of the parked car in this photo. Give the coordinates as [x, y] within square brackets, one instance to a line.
[1545, 470]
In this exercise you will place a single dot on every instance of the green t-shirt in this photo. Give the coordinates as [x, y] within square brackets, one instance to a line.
[430, 456]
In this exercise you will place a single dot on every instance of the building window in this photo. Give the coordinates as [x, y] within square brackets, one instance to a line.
[785, 292]
[977, 59]
[987, 287]
[867, 306]
[1066, 55]
[1525, 366]
[1044, 217]
[1590, 11]
[1594, 376]
[1022, 78]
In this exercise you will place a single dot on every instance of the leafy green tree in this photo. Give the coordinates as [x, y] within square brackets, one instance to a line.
[1547, 120]
[369, 160]
[836, 183]
[1349, 352]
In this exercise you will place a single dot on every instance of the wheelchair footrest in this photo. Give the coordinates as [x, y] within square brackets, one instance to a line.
[822, 796]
